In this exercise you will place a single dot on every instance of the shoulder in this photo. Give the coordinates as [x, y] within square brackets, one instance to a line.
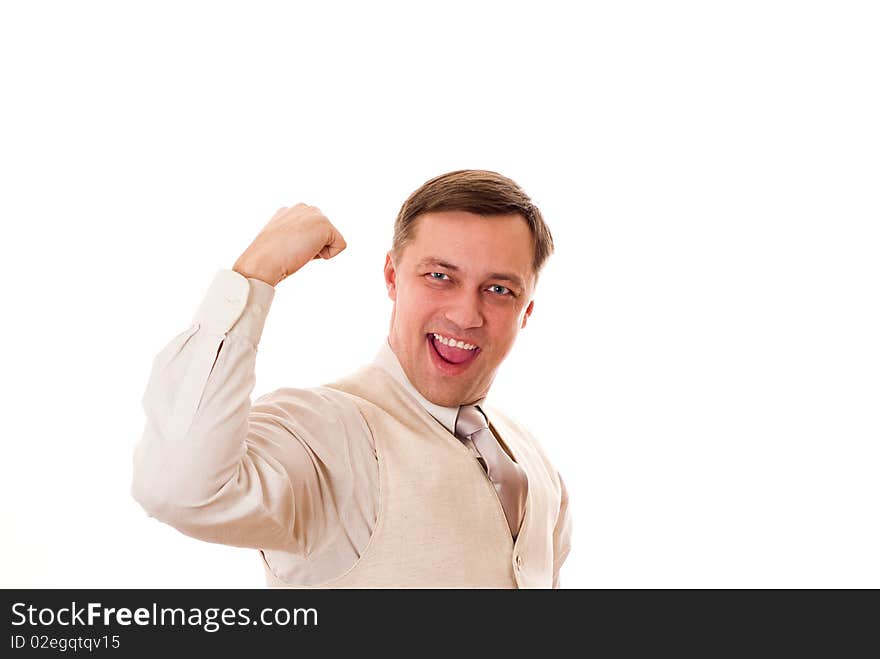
[313, 403]
[311, 412]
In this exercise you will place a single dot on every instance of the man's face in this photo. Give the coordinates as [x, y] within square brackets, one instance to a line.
[465, 278]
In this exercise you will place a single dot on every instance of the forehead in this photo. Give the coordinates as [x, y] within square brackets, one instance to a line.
[473, 242]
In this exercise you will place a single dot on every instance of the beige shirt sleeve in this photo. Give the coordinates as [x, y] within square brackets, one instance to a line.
[291, 472]
[561, 535]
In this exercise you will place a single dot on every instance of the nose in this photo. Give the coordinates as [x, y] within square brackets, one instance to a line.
[463, 310]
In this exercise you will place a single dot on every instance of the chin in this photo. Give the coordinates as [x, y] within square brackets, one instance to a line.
[443, 398]
[447, 402]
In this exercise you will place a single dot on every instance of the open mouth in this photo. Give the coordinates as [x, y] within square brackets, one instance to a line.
[450, 359]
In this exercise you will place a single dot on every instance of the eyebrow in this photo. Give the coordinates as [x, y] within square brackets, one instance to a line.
[503, 276]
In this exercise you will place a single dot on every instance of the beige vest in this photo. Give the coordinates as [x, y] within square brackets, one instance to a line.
[440, 522]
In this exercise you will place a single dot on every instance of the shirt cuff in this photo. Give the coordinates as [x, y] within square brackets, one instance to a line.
[235, 304]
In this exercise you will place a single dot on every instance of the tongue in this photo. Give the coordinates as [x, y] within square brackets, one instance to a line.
[450, 354]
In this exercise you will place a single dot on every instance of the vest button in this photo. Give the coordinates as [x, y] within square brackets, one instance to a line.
[519, 561]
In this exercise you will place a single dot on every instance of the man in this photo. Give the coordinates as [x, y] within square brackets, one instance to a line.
[400, 474]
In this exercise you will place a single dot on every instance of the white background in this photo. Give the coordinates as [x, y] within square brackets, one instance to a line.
[702, 362]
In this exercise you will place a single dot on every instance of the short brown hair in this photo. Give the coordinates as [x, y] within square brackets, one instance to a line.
[477, 191]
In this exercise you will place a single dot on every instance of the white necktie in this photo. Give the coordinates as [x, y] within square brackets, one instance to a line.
[507, 476]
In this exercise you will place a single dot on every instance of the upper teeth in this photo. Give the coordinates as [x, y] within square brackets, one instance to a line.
[455, 344]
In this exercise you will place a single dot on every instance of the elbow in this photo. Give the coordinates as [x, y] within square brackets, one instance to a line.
[160, 494]
[155, 499]
[166, 503]
[178, 497]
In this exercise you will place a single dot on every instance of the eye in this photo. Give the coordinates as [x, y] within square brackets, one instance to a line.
[439, 276]
[504, 290]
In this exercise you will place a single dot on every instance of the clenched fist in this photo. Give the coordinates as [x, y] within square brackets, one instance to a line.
[293, 237]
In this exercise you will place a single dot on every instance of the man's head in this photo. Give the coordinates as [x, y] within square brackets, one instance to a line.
[467, 250]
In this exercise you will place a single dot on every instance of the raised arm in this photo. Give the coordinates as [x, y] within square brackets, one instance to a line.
[210, 463]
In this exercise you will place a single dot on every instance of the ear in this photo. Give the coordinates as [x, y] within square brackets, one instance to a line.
[390, 277]
[528, 313]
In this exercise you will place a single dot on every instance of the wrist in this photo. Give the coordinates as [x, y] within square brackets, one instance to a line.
[254, 272]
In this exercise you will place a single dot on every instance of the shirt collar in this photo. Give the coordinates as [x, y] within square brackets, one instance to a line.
[388, 362]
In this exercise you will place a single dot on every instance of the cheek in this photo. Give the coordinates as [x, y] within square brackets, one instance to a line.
[421, 303]
[415, 312]
[504, 329]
